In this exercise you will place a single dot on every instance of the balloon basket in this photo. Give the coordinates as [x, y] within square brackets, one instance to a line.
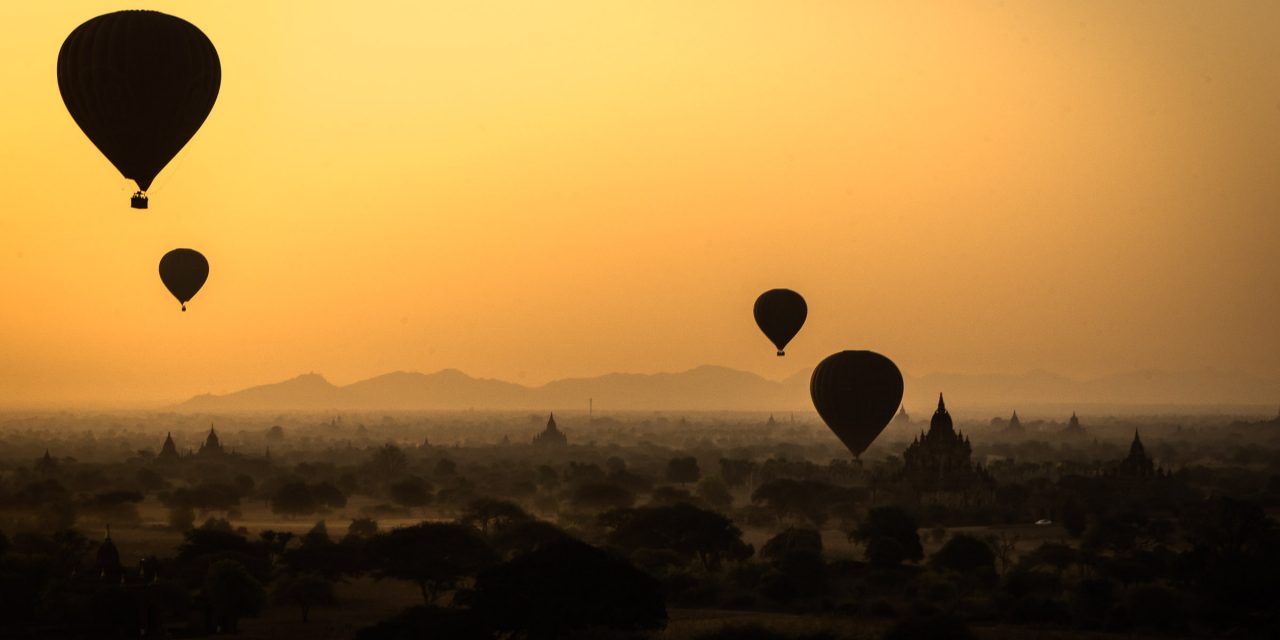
[780, 354]
[138, 201]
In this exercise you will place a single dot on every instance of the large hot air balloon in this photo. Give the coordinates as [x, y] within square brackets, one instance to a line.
[139, 84]
[780, 313]
[183, 272]
[856, 393]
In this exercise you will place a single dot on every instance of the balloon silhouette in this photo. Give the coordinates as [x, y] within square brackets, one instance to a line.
[780, 313]
[183, 272]
[139, 84]
[856, 393]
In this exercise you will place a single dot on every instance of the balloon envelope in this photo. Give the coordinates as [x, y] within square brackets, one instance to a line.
[780, 313]
[139, 84]
[857, 394]
[183, 272]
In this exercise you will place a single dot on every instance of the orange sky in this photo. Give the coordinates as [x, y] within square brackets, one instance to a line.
[538, 190]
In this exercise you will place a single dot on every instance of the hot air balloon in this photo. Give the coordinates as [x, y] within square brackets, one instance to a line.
[139, 84]
[183, 272]
[780, 313]
[856, 393]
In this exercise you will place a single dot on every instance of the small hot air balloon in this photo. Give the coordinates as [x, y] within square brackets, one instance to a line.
[139, 84]
[857, 394]
[780, 313]
[183, 272]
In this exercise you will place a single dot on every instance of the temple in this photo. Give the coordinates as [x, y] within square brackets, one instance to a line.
[938, 464]
[1074, 429]
[1138, 465]
[551, 436]
[1015, 425]
[902, 418]
[211, 446]
[168, 452]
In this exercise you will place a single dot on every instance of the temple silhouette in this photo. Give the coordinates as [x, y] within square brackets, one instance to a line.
[939, 466]
[551, 436]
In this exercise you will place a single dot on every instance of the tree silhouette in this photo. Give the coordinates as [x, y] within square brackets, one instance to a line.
[490, 515]
[685, 529]
[294, 499]
[568, 585]
[890, 536]
[964, 553]
[411, 492]
[792, 540]
[231, 593]
[304, 591]
[436, 556]
[683, 470]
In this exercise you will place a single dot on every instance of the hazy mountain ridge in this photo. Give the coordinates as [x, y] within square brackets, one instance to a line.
[713, 388]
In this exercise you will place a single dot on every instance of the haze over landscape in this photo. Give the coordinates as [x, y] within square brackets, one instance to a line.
[531, 193]
[711, 388]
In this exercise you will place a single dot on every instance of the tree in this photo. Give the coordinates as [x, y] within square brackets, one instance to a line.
[670, 495]
[685, 529]
[1005, 548]
[363, 528]
[683, 470]
[598, 496]
[1056, 555]
[304, 591]
[437, 556]
[1235, 553]
[411, 492]
[490, 515]
[388, 462]
[790, 541]
[328, 495]
[889, 532]
[737, 473]
[231, 593]
[805, 499]
[294, 499]
[964, 553]
[523, 537]
[715, 493]
[565, 586]
[1074, 518]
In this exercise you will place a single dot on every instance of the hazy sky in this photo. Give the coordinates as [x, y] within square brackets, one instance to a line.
[538, 190]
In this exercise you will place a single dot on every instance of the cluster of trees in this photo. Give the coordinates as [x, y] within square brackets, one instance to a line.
[661, 526]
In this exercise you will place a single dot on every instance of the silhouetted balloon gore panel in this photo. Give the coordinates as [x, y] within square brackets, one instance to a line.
[780, 313]
[857, 394]
[183, 272]
[139, 84]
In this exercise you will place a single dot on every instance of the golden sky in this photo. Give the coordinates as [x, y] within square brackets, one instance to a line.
[538, 190]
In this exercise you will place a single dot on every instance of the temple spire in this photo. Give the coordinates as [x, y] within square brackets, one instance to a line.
[942, 406]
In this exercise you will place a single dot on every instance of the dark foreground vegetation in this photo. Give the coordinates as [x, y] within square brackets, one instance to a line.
[633, 521]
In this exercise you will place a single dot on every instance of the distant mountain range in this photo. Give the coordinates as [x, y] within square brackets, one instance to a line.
[711, 388]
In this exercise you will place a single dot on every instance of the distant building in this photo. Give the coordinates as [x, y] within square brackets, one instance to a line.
[771, 422]
[551, 436]
[169, 451]
[902, 418]
[1137, 464]
[108, 564]
[1074, 429]
[211, 446]
[1015, 425]
[940, 462]
[46, 464]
